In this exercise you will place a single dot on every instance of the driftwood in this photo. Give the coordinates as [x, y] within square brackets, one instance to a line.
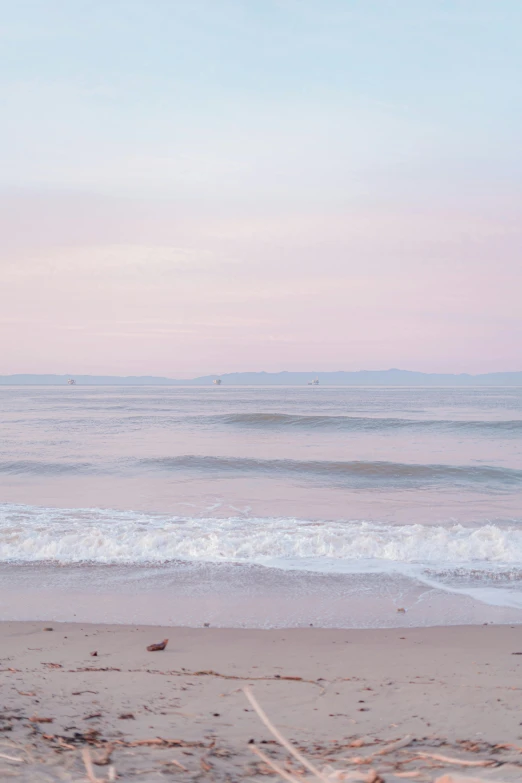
[10, 758]
[89, 769]
[91, 777]
[459, 762]
[390, 748]
[37, 719]
[176, 763]
[105, 758]
[281, 739]
[159, 646]
[165, 743]
[402, 743]
[465, 779]
[329, 774]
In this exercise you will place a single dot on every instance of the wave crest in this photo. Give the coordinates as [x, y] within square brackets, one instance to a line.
[32, 534]
[364, 423]
[354, 473]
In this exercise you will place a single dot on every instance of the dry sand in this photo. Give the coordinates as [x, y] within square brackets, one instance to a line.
[457, 692]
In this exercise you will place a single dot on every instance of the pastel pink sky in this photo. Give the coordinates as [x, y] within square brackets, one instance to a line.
[214, 186]
[115, 286]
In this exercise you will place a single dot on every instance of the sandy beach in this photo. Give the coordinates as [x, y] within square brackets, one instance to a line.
[339, 695]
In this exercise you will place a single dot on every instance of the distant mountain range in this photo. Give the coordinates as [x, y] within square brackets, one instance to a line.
[360, 378]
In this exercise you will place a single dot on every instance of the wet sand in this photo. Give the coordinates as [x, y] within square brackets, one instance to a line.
[242, 596]
[456, 691]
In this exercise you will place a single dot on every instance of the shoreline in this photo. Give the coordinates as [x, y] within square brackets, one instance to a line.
[232, 596]
[450, 689]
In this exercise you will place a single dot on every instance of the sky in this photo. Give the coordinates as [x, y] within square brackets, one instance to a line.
[204, 186]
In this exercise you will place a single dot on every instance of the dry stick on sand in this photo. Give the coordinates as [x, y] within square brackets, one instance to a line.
[402, 743]
[460, 762]
[273, 765]
[282, 740]
[10, 758]
[342, 775]
[86, 756]
[89, 769]
[178, 764]
[105, 758]
[465, 779]
[392, 746]
[166, 743]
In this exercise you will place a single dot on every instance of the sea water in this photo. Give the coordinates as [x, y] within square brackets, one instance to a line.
[261, 506]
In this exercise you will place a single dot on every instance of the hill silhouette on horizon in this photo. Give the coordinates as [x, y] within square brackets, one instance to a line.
[392, 377]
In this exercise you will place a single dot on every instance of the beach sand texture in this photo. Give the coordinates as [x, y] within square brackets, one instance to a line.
[339, 695]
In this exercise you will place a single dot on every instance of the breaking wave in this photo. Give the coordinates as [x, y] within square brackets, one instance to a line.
[67, 536]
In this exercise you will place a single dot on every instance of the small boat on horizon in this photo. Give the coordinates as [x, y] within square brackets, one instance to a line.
[71, 382]
[217, 381]
[315, 382]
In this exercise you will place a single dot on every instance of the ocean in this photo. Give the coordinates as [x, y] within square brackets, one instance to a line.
[261, 506]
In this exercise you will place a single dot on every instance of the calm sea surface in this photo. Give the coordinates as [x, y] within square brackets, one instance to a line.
[261, 506]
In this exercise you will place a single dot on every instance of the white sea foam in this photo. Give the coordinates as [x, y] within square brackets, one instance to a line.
[32, 534]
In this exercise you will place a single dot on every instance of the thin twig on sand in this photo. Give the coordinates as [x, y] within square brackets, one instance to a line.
[89, 769]
[281, 739]
[402, 743]
[178, 764]
[459, 762]
[390, 748]
[10, 758]
[273, 765]
[451, 778]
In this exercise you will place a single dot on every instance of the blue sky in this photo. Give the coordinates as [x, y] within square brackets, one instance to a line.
[392, 127]
[177, 96]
